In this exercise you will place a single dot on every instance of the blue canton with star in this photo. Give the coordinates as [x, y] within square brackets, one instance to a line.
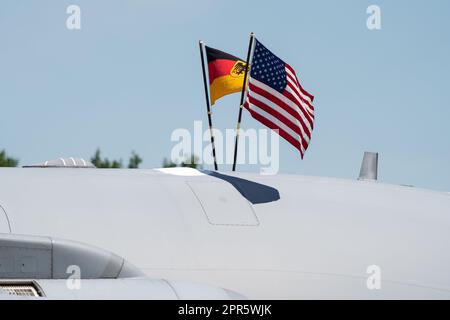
[268, 68]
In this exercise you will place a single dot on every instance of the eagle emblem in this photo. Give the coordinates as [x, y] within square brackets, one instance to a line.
[238, 69]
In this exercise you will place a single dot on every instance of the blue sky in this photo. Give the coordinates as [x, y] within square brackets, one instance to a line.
[132, 74]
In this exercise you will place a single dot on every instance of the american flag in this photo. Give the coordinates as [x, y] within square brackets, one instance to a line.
[276, 99]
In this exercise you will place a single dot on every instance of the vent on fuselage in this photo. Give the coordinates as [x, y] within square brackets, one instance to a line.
[23, 290]
[63, 163]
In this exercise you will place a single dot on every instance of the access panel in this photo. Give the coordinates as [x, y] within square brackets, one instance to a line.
[223, 204]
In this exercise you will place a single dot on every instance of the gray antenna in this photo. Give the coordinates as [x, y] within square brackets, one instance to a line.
[369, 166]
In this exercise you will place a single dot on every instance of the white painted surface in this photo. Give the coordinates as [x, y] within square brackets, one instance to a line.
[315, 242]
[235, 209]
[181, 171]
[4, 225]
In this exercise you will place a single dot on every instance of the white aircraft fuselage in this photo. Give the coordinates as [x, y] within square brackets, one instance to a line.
[265, 237]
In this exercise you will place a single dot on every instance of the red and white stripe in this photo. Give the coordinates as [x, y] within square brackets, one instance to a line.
[290, 113]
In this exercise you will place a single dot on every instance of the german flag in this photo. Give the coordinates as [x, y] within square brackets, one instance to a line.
[226, 73]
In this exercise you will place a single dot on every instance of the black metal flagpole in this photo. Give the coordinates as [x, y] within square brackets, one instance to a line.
[208, 102]
[241, 106]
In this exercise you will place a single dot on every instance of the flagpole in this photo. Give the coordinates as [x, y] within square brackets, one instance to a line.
[241, 106]
[208, 102]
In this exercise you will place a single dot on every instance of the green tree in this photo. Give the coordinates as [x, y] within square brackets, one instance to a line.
[6, 161]
[191, 161]
[134, 161]
[168, 164]
[116, 164]
[105, 163]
